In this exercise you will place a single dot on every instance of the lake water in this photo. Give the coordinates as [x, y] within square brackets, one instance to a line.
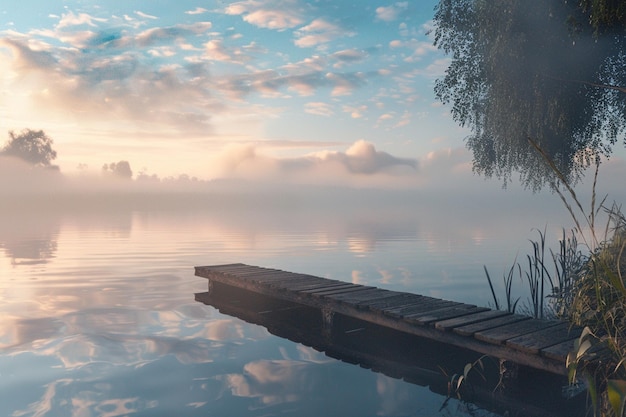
[98, 318]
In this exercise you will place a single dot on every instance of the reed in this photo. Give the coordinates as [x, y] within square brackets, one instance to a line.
[597, 294]
[545, 300]
[511, 305]
[587, 289]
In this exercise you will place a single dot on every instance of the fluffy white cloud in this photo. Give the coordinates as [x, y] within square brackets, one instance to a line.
[361, 165]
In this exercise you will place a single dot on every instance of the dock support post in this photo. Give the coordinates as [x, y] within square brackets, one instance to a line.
[210, 287]
[327, 322]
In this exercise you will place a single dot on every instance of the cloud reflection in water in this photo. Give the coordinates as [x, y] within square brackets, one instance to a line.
[103, 321]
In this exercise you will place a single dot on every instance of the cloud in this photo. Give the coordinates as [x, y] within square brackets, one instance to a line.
[405, 120]
[164, 34]
[344, 84]
[320, 31]
[71, 19]
[268, 14]
[197, 10]
[217, 50]
[355, 112]
[144, 15]
[416, 49]
[120, 87]
[361, 164]
[363, 158]
[348, 56]
[319, 108]
[391, 13]
[26, 57]
[437, 68]
[303, 78]
[384, 117]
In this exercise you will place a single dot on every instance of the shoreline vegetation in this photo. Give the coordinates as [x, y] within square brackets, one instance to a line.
[582, 284]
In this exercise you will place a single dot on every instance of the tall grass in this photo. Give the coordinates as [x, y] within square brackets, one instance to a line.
[598, 300]
[586, 288]
[549, 278]
[511, 305]
[568, 262]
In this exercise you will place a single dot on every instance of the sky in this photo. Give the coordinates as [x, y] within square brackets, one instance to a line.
[296, 91]
[210, 88]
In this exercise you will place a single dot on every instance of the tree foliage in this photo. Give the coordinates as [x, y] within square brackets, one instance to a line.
[605, 15]
[533, 69]
[119, 169]
[32, 146]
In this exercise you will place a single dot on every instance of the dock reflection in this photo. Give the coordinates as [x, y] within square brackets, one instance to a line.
[398, 355]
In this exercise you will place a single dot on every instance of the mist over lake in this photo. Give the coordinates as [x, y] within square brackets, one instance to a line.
[415, 146]
[99, 313]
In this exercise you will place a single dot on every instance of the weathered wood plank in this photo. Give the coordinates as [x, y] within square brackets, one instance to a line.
[425, 305]
[242, 270]
[225, 267]
[354, 297]
[257, 275]
[470, 319]
[537, 343]
[394, 300]
[534, 342]
[330, 290]
[296, 280]
[304, 286]
[444, 313]
[559, 351]
[396, 309]
[470, 329]
[503, 333]
[264, 275]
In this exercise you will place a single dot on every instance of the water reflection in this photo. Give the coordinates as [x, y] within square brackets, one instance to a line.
[28, 239]
[97, 315]
[397, 356]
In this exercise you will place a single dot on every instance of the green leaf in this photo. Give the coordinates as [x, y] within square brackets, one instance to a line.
[616, 390]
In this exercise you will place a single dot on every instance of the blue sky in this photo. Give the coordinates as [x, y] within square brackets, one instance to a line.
[297, 91]
[197, 88]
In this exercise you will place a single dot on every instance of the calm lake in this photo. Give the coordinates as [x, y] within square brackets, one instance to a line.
[98, 317]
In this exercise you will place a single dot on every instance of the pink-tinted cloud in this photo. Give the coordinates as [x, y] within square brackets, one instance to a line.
[393, 12]
[361, 164]
[268, 14]
[319, 108]
[319, 32]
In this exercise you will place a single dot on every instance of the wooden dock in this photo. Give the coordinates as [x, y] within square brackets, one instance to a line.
[539, 344]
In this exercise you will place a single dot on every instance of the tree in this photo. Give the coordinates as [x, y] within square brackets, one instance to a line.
[32, 146]
[119, 169]
[604, 15]
[533, 69]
